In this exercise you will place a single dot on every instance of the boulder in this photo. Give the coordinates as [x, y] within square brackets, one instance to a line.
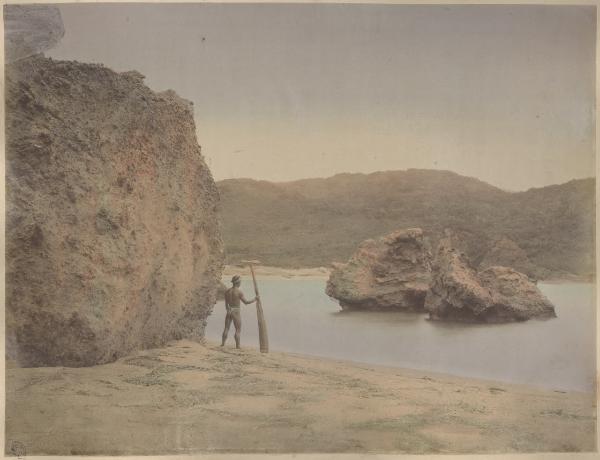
[31, 29]
[390, 273]
[497, 294]
[112, 238]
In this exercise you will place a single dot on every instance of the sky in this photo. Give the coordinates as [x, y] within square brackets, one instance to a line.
[503, 93]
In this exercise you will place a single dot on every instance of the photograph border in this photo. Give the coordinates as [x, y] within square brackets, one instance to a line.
[240, 456]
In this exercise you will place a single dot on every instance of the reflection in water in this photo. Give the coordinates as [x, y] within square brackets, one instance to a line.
[557, 353]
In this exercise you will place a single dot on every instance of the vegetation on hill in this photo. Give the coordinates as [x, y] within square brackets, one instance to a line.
[314, 222]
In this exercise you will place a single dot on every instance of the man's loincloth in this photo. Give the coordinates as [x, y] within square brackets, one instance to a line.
[234, 312]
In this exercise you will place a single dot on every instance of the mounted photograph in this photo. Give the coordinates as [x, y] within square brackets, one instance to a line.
[272, 228]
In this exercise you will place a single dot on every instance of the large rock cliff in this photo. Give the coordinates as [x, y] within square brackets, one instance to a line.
[391, 273]
[112, 239]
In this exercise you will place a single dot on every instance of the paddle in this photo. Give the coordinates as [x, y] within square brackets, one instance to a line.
[262, 324]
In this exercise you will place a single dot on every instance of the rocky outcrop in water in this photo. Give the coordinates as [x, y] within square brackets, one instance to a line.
[497, 294]
[391, 273]
[112, 239]
[31, 29]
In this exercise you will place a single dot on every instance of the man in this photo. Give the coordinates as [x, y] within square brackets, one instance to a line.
[233, 296]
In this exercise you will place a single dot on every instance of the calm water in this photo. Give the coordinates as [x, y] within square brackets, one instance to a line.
[557, 353]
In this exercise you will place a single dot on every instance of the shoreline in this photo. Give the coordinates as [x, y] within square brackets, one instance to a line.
[271, 272]
[412, 371]
[431, 373]
[265, 271]
[191, 397]
[569, 279]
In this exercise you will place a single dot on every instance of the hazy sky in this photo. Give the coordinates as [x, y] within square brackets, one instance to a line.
[502, 93]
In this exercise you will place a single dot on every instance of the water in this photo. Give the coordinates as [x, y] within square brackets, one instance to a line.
[556, 353]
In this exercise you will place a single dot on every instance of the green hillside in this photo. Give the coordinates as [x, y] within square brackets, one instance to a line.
[314, 222]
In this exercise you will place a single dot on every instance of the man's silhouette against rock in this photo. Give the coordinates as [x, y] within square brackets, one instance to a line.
[233, 296]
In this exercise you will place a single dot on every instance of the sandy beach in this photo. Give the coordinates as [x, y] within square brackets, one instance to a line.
[190, 398]
[278, 272]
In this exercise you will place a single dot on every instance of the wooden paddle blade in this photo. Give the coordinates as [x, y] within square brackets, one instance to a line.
[263, 339]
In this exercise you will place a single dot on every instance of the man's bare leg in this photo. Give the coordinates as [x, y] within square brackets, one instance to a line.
[228, 319]
[237, 322]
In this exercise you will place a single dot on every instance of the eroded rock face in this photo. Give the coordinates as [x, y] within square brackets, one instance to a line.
[112, 238]
[497, 294]
[221, 289]
[31, 29]
[391, 273]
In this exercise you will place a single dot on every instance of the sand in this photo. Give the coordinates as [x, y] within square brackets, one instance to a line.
[278, 272]
[191, 398]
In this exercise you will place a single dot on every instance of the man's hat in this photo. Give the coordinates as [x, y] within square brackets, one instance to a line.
[235, 279]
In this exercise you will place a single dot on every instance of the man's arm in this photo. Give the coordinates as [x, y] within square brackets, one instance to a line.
[246, 302]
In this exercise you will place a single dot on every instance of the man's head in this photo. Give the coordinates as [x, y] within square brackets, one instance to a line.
[236, 280]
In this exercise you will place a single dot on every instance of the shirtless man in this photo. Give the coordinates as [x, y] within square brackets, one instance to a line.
[233, 295]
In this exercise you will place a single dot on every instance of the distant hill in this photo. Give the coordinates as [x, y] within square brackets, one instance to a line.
[545, 232]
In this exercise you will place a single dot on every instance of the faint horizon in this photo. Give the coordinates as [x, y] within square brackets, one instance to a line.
[593, 177]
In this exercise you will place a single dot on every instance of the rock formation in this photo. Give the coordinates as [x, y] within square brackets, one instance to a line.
[497, 294]
[221, 289]
[30, 29]
[112, 239]
[391, 273]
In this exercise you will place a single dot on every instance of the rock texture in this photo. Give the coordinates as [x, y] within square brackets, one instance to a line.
[391, 273]
[112, 239]
[221, 289]
[30, 29]
[497, 294]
